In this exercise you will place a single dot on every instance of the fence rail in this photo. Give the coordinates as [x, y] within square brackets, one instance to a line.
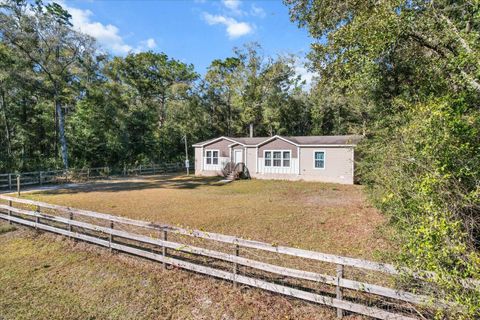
[109, 231]
[9, 180]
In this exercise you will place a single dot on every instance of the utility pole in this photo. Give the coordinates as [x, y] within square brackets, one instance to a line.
[187, 163]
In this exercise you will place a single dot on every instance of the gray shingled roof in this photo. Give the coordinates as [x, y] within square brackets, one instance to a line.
[302, 140]
[251, 141]
[350, 139]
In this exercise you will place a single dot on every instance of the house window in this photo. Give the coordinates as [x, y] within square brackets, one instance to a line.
[268, 158]
[277, 158]
[211, 157]
[286, 158]
[319, 159]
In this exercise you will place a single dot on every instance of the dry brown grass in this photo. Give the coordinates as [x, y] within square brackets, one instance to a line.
[43, 276]
[329, 218]
[48, 277]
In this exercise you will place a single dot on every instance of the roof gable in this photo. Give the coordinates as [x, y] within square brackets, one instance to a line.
[274, 138]
[207, 142]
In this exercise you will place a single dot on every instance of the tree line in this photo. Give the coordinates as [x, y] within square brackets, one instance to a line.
[65, 104]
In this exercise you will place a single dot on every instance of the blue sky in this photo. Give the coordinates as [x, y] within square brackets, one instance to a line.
[195, 31]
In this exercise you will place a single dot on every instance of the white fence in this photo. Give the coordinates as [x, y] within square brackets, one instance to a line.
[171, 245]
[11, 181]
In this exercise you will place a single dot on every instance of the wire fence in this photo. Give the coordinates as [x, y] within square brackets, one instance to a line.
[348, 284]
[11, 181]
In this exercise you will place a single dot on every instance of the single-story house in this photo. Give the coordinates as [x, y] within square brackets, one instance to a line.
[310, 158]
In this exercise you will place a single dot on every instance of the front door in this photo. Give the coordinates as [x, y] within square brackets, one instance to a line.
[238, 156]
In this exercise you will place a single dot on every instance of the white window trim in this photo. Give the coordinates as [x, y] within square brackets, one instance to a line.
[205, 157]
[324, 159]
[281, 158]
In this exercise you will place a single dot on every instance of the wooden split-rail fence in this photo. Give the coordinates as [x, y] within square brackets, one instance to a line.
[11, 181]
[159, 242]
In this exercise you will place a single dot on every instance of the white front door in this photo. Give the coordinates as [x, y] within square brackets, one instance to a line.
[238, 156]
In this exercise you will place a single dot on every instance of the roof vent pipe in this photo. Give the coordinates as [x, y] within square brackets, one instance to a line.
[251, 130]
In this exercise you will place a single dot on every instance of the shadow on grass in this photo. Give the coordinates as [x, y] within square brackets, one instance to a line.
[139, 183]
[5, 228]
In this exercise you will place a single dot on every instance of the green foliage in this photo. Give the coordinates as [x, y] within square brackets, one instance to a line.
[252, 89]
[61, 102]
[406, 73]
[426, 178]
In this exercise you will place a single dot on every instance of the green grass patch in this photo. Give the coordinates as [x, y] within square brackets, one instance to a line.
[5, 228]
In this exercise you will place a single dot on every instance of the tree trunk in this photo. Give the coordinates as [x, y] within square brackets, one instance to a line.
[229, 116]
[162, 112]
[55, 142]
[7, 128]
[61, 130]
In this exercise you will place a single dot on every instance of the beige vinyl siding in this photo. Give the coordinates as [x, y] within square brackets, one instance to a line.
[251, 160]
[198, 160]
[223, 157]
[278, 144]
[338, 164]
[222, 146]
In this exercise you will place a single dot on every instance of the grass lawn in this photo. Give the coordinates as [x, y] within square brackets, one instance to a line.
[329, 218]
[43, 276]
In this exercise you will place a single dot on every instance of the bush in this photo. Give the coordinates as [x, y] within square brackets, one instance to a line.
[424, 172]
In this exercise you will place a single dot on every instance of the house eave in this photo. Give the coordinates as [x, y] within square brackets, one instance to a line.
[197, 145]
[327, 145]
[273, 138]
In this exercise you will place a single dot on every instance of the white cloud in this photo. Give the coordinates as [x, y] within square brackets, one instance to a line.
[150, 43]
[232, 4]
[108, 36]
[233, 7]
[257, 11]
[305, 74]
[235, 28]
[145, 45]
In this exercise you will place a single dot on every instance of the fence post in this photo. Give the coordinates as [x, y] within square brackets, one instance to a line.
[88, 174]
[40, 178]
[70, 225]
[164, 249]
[154, 169]
[9, 212]
[124, 170]
[9, 181]
[37, 219]
[18, 184]
[235, 265]
[339, 290]
[110, 236]
[140, 169]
